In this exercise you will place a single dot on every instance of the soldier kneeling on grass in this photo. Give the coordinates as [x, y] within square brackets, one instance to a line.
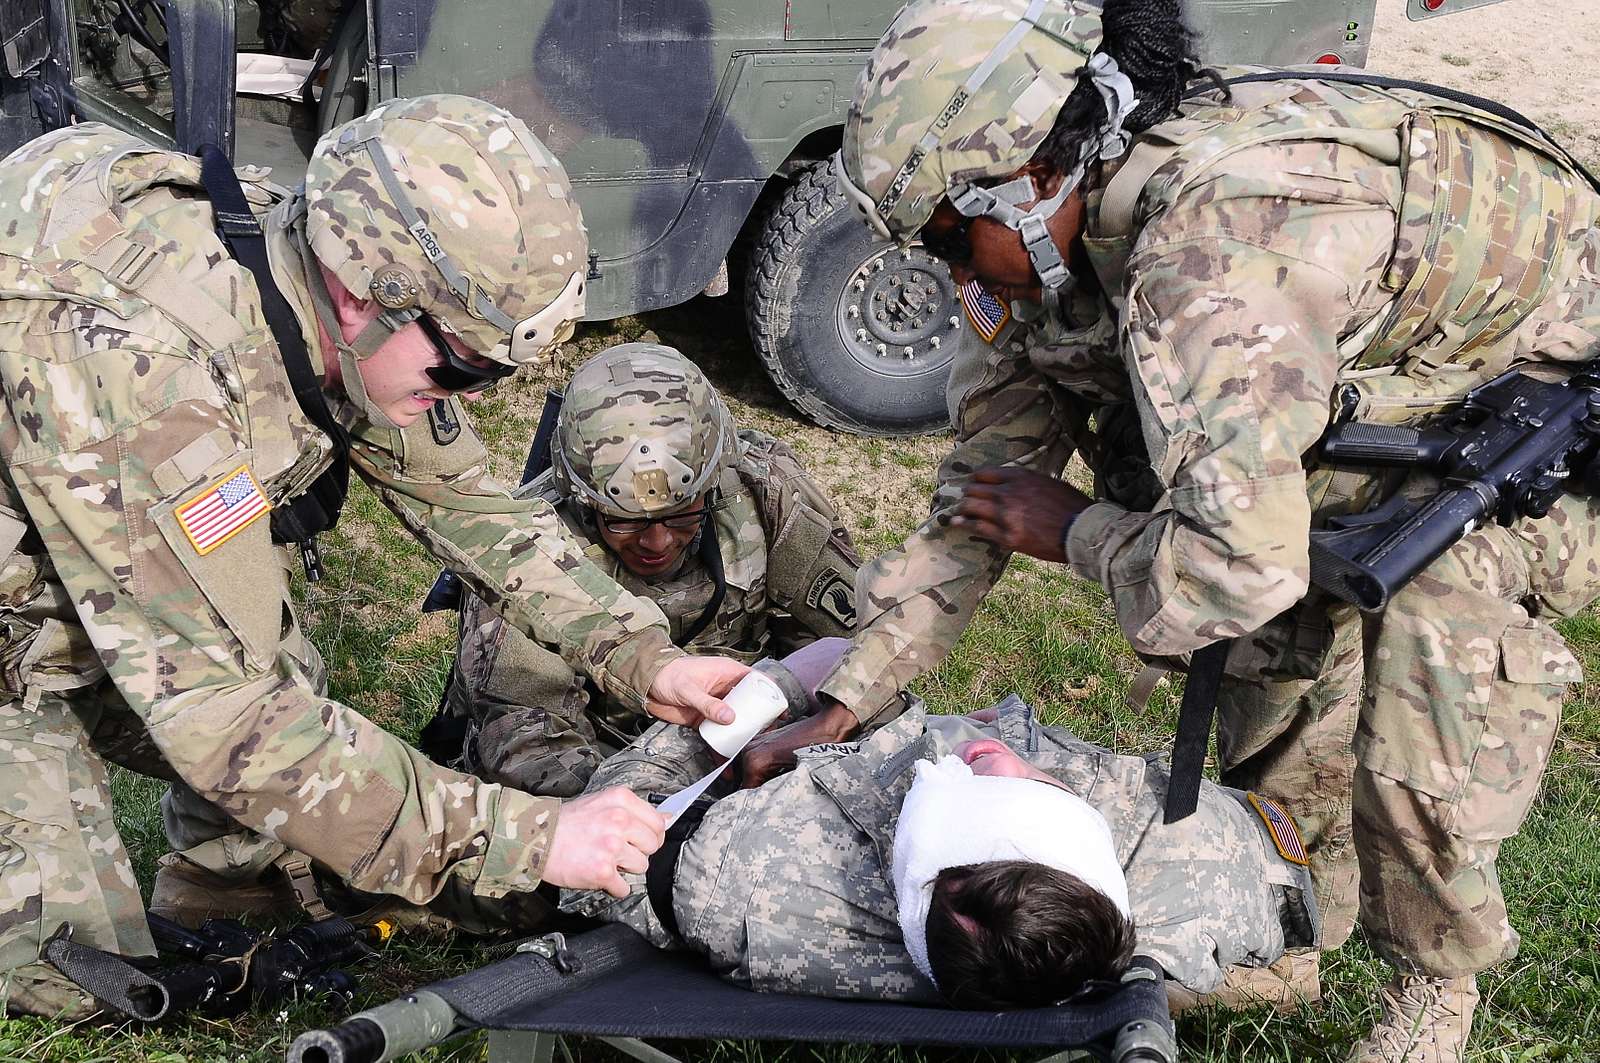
[722, 528]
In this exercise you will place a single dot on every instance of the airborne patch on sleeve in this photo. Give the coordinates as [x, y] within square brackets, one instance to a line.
[834, 595]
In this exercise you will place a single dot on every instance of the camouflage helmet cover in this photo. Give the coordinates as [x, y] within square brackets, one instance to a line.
[958, 91]
[641, 432]
[449, 206]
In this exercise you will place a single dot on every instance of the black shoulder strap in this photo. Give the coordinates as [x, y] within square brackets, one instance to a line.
[1195, 713]
[318, 509]
[711, 557]
[1379, 81]
[661, 873]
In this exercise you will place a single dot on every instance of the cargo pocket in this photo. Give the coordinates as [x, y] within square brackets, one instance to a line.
[1536, 667]
[35, 817]
[230, 558]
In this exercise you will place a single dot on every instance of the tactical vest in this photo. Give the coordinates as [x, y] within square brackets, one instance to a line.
[1484, 218]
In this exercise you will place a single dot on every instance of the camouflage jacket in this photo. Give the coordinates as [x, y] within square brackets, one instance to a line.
[787, 887]
[788, 564]
[142, 383]
[1258, 261]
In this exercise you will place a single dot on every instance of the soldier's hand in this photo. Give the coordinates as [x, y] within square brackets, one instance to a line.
[771, 754]
[1020, 510]
[690, 689]
[601, 835]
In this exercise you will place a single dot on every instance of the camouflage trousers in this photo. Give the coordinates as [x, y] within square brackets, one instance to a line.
[61, 857]
[1410, 744]
[532, 722]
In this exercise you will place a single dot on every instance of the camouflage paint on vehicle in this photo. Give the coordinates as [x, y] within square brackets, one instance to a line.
[671, 117]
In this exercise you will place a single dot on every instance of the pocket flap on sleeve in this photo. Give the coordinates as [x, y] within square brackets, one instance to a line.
[12, 530]
[1536, 654]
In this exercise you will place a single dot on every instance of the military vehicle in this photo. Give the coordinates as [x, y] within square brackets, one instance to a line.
[696, 132]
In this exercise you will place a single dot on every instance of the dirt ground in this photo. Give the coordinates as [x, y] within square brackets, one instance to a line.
[1541, 57]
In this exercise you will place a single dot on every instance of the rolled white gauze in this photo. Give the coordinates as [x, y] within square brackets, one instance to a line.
[756, 702]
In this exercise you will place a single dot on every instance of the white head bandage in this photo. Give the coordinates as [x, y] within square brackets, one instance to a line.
[952, 818]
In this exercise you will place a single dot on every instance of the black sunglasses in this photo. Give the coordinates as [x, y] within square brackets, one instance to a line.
[455, 373]
[634, 525]
[952, 246]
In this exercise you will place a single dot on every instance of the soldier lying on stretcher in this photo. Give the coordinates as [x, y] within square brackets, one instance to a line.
[988, 859]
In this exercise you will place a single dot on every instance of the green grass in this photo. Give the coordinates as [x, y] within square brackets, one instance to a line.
[1043, 634]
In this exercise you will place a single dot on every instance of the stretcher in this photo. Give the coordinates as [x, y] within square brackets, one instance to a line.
[610, 984]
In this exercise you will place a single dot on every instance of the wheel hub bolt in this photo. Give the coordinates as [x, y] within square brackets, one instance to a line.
[853, 312]
[861, 335]
[934, 341]
[881, 349]
[955, 321]
[910, 352]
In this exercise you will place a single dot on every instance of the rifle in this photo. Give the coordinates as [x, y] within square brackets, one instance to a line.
[1509, 451]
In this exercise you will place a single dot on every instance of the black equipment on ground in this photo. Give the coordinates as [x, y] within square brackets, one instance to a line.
[223, 967]
[1510, 451]
[610, 983]
[307, 958]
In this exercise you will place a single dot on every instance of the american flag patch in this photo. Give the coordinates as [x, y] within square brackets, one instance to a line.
[987, 314]
[1285, 835]
[222, 511]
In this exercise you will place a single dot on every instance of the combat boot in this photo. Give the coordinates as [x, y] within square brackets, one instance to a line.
[1294, 979]
[1425, 1020]
[189, 894]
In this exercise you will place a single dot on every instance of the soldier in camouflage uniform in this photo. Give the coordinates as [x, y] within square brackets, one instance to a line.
[783, 575]
[787, 887]
[145, 614]
[1247, 266]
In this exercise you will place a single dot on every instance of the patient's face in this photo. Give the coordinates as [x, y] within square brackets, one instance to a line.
[987, 756]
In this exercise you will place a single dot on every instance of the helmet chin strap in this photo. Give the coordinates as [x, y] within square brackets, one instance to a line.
[354, 352]
[1004, 202]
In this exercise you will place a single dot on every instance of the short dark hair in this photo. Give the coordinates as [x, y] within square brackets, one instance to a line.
[1016, 934]
[1155, 47]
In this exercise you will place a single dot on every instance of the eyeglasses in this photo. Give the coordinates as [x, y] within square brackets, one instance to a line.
[952, 245]
[455, 373]
[634, 525]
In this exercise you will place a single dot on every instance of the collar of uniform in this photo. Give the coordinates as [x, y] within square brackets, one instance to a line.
[869, 786]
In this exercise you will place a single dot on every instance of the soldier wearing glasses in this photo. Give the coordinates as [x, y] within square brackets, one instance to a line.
[721, 528]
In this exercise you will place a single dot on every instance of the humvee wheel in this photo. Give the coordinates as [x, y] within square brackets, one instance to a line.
[854, 331]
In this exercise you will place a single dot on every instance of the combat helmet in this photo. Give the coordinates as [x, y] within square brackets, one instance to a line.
[447, 209]
[641, 432]
[959, 92]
